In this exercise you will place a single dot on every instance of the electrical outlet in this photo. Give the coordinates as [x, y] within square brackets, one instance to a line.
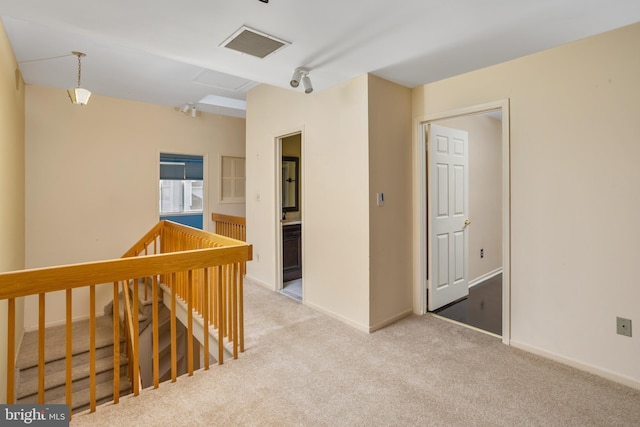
[624, 326]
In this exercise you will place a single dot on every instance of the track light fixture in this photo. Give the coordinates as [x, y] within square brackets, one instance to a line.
[79, 95]
[296, 77]
[190, 109]
[301, 74]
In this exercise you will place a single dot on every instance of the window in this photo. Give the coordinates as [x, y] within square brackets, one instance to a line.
[232, 180]
[181, 184]
[180, 196]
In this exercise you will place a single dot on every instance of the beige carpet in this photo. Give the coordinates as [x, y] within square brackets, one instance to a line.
[302, 368]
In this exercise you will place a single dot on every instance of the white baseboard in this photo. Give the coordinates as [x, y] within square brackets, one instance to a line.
[339, 317]
[604, 373]
[390, 320]
[259, 282]
[61, 322]
[484, 277]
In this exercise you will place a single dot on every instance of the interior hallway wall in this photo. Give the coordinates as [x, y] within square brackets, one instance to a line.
[355, 142]
[12, 221]
[390, 230]
[335, 193]
[574, 174]
[92, 178]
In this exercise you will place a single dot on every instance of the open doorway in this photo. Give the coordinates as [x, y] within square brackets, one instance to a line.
[481, 240]
[290, 214]
[479, 304]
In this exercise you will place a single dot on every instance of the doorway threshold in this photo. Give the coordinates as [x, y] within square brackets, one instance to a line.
[465, 325]
[293, 289]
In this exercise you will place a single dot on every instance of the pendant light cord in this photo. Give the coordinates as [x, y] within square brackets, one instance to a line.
[79, 69]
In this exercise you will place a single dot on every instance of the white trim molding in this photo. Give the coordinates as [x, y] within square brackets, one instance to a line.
[485, 277]
[604, 373]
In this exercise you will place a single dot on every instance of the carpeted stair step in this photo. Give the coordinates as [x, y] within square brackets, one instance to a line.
[55, 338]
[104, 393]
[55, 374]
[144, 305]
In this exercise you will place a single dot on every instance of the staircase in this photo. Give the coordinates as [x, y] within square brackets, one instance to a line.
[203, 274]
[55, 365]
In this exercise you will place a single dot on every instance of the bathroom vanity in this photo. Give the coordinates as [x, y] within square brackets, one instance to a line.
[291, 250]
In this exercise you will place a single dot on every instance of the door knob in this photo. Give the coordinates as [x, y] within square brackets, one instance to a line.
[466, 222]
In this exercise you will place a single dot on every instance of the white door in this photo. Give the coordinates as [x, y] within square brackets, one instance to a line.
[448, 187]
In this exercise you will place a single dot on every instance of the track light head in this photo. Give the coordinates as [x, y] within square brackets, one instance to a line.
[186, 108]
[194, 112]
[306, 82]
[296, 77]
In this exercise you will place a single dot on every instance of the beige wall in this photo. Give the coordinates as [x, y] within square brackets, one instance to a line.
[485, 191]
[390, 230]
[335, 194]
[92, 176]
[574, 167]
[355, 142]
[12, 222]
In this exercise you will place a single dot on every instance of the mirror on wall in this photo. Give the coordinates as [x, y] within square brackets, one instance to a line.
[290, 184]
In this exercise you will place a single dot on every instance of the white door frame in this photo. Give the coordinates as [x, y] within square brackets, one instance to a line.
[420, 214]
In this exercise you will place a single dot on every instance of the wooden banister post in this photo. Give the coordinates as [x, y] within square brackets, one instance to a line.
[11, 350]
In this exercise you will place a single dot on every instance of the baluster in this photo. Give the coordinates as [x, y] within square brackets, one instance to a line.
[174, 358]
[156, 346]
[116, 344]
[234, 308]
[11, 350]
[69, 352]
[229, 302]
[190, 323]
[92, 348]
[136, 339]
[241, 306]
[221, 315]
[205, 316]
[41, 333]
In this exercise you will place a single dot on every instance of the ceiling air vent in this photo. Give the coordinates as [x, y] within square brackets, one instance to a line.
[252, 42]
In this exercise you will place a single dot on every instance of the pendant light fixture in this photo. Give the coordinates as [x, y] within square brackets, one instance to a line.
[79, 95]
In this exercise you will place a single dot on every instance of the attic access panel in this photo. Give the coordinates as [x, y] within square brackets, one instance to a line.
[253, 42]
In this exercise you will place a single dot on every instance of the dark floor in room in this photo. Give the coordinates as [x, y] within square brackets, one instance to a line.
[481, 309]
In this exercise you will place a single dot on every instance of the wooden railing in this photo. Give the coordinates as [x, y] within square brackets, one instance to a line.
[230, 226]
[201, 268]
[234, 227]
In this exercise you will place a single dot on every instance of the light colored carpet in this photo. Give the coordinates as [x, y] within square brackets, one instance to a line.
[301, 368]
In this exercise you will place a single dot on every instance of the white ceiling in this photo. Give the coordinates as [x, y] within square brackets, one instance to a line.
[168, 52]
